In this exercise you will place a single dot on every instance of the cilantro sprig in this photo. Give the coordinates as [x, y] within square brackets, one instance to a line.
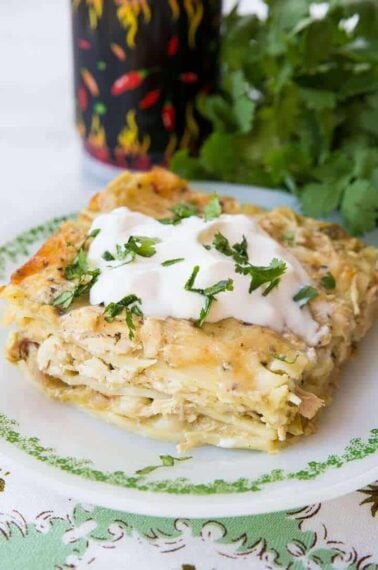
[131, 305]
[78, 270]
[260, 275]
[305, 295]
[328, 281]
[169, 262]
[298, 111]
[213, 209]
[180, 212]
[238, 251]
[135, 245]
[209, 293]
[183, 210]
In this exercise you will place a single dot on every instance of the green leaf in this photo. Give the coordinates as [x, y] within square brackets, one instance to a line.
[180, 211]
[261, 275]
[213, 209]
[318, 199]
[239, 251]
[64, 300]
[328, 281]
[169, 262]
[360, 206]
[318, 99]
[78, 267]
[78, 270]
[136, 245]
[143, 246]
[209, 293]
[205, 311]
[94, 233]
[305, 295]
[131, 305]
[108, 256]
[217, 110]
[190, 282]
[220, 287]
[188, 166]
[219, 155]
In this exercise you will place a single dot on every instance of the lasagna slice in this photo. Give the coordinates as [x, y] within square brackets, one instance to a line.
[227, 383]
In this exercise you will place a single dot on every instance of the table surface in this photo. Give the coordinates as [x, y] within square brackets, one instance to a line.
[40, 157]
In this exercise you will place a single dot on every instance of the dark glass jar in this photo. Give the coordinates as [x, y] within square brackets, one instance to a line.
[139, 66]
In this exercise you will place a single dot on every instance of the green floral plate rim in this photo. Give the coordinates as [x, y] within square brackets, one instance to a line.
[357, 449]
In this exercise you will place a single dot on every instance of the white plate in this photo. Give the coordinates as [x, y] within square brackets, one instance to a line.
[96, 462]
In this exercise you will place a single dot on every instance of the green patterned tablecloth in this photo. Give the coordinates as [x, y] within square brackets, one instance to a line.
[42, 530]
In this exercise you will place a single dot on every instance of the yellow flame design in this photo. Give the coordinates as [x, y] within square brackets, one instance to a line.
[128, 13]
[97, 136]
[128, 138]
[171, 146]
[95, 9]
[175, 8]
[194, 11]
[191, 131]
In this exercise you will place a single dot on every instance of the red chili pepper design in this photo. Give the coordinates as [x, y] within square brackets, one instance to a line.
[118, 51]
[90, 82]
[82, 98]
[149, 99]
[128, 81]
[189, 77]
[84, 44]
[172, 46]
[168, 116]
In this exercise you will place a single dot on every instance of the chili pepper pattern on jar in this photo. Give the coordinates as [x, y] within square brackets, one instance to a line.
[139, 66]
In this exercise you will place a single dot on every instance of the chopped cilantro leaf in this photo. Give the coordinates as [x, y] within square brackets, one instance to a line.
[64, 300]
[209, 293]
[305, 294]
[190, 282]
[169, 262]
[86, 281]
[136, 245]
[213, 209]
[131, 305]
[180, 212]
[238, 251]
[94, 233]
[78, 267]
[78, 270]
[328, 281]
[260, 275]
[108, 256]
[205, 311]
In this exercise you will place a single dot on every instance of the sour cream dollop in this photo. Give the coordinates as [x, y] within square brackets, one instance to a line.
[162, 288]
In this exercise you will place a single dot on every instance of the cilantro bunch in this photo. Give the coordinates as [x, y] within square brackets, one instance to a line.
[298, 107]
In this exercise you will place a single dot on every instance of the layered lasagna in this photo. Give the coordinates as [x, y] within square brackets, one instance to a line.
[105, 322]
